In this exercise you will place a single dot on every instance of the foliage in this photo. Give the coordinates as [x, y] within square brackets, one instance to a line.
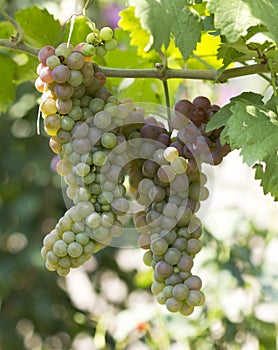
[208, 35]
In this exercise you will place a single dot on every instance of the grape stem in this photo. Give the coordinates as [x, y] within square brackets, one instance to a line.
[20, 33]
[168, 73]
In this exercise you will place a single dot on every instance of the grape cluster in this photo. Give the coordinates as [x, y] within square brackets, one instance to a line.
[193, 142]
[170, 191]
[99, 140]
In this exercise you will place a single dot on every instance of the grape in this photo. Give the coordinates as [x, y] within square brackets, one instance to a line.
[193, 246]
[180, 291]
[163, 269]
[111, 45]
[172, 256]
[159, 246]
[60, 248]
[106, 33]
[63, 51]
[195, 298]
[61, 74]
[99, 158]
[64, 105]
[202, 101]
[53, 61]
[45, 52]
[63, 91]
[170, 153]
[193, 282]
[46, 75]
[75, 60]
[102, 119]
[101, 51]
[183, 107]
[173, 305]
[109, 140]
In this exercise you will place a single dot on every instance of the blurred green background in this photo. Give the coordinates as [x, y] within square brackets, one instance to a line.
[107, 304]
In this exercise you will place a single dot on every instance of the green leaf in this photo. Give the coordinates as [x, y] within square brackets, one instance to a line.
[267, 173]
[254, 130]
[162, 19]
[185, 27]
[233, 17]
[155, 20]
[267, 12]
[139, 37]
[80, 30]
[205, 55]
[7, 87]
[40, 27]
[221, 118]
[6, 30]
[252, 126]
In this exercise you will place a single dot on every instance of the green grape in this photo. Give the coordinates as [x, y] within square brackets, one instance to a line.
[106, 33]
[68, 237]
[75, 78]
[180, 291]
[170, 153]
[173, 305]
[99, 158]
[63, 50]
[195, 298]
[111, 45]
[82, 238]
[88, 50]
[157, 287]
[93, 220]
[67, 123]
[53, 61]
[82, 169]
[159, 246]
[60, 248]
[109, 140]
[102, 119]
[101, 51]
[74, 249]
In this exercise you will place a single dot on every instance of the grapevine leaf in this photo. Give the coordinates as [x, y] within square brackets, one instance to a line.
[252, 126]
[205, 55]
[233, 17]
[155, 19]
[7, 87]
[165, 18]
[235, 52]
[80, 30]
[267, 173]
[139, 36]
[185, 27]
[40, 27]
[221, 118]
[6, 30]
[253, 129]
[267, 12]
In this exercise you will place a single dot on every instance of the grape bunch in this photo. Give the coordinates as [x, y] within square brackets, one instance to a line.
[193, 142]
[99, 140]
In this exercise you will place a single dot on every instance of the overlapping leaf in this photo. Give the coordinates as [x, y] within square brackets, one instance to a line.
[40, 27]
[162, 19]
[252, 126]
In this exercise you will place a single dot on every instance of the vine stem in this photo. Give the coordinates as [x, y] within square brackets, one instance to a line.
[167, 73]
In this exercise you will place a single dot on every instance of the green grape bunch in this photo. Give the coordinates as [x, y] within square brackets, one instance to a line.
[120, 162]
